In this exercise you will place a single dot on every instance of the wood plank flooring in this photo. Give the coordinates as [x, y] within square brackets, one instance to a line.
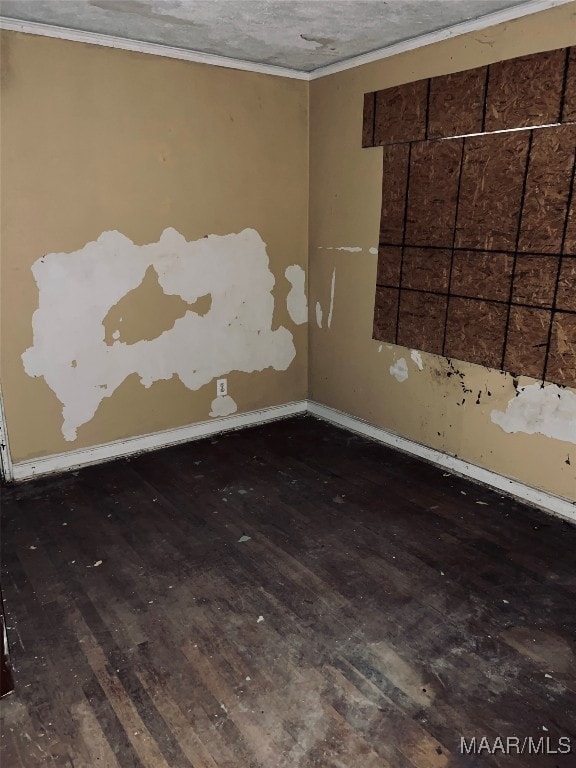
[288, 596]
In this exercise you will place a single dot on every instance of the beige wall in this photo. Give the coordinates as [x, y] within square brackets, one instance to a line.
[350, 371]
[95, 140]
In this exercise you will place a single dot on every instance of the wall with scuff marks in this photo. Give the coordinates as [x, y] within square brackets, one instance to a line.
[478, 414]
[154, 238]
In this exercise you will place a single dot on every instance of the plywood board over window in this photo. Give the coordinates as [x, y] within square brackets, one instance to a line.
[477, 256]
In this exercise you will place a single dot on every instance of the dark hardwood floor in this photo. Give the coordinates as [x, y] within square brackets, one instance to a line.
[288, 596]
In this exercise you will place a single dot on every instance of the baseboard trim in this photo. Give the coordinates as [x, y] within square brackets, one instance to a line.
[548, 502]
[65, 462]
[71, 460]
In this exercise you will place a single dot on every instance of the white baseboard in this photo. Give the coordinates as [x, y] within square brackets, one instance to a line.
[556, 505]
[63, 462]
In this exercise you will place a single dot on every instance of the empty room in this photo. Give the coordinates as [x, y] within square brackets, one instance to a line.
[288, 383]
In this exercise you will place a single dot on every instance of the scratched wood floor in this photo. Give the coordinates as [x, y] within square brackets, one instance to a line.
[380, 611]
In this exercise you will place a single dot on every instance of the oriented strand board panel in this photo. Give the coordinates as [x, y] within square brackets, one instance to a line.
[433, 192]
[570, 238]
[421, 321]
[385, 314]
[548, 183]
[569, 106]
[426, 269]
[389, 265]
[456, 104]
[535, 279]
[526, 91]
[394, 187]
[482, 274]
[566, 297]
[527, 340]
[401, 113]
[477, 256]
[368, 124]
[561, 364]
[475, 331]
[491, 187]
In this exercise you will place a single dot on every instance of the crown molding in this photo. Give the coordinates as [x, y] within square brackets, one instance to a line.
[463, 28]
[156, 49]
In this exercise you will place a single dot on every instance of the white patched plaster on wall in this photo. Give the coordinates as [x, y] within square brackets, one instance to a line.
[416, 357]
[296, 301]
[348, 248]
[332, 285]
[77, 290]
[399, 370]
[548, 410]
[319, 314]
[223, 406]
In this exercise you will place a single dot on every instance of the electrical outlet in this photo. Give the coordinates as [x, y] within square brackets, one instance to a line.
[221, 387]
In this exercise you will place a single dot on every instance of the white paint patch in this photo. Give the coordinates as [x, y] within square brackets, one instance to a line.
[331, 297]
[223, 406]
[296, 301]
[548, 410]
[416, 357]
[373, 251]
[77, 290]
[347, 248]
[319, 314]
[400, 370]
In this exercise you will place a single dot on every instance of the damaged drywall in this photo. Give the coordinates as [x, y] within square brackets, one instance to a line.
[348, 248]
[223, 406]
[546, 410]
[416, 357]
[319, 314]
[331, 308]
[296, 301]
[399, 370]
[78, 290]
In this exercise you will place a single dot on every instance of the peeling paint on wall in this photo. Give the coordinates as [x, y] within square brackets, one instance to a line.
[416, 357]
[535, 409]
[400, 370]
[373, 251]
[319, 314]
[348, 248]
[331, 298]
[78, 290]
[223, 406]
[296, 301]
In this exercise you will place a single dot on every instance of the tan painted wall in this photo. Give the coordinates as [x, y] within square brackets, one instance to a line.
[95, 139]
[349, 370]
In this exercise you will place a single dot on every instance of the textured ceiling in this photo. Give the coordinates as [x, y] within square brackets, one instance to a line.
[286, 33]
